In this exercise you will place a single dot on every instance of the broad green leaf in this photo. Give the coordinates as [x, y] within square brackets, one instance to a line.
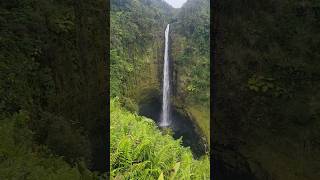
[161, 176]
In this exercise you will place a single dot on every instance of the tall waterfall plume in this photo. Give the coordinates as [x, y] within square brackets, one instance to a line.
[165, 116]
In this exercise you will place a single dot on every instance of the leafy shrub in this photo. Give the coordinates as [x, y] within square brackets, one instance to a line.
[138, 150]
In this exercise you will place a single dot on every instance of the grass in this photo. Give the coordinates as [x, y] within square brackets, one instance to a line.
[139, 150]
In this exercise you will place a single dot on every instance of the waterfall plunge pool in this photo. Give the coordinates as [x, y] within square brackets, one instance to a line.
[181, 125]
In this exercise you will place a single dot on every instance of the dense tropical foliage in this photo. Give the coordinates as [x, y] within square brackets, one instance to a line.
[136, 42]
[191, 56]
[52, 88]
[268, 87]
[139, 150]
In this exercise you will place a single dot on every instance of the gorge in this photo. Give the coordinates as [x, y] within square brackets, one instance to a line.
[151, 77]
[168, 116]
[146, 72]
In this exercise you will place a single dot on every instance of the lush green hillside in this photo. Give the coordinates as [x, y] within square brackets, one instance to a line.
[136, 47]
[190, 52]
[52, 68]
[268, 87]
[139, 150]
[137, 40]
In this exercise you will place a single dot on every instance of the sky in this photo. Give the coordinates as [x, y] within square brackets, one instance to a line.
[176, 3]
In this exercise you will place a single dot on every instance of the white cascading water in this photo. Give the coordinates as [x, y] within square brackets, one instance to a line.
[165, 116]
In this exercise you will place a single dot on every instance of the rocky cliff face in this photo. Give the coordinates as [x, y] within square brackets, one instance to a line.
[143, 39]
[137, 39]
[191, 62]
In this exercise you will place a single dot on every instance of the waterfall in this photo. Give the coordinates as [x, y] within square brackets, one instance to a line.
[165, 116]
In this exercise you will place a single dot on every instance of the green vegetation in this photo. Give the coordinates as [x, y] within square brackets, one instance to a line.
[140, 151]
[136, 46]
[137, 51]
[268, 86]
[52, 88]
[191, 56]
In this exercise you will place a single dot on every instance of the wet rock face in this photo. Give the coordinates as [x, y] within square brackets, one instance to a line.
[178, 86]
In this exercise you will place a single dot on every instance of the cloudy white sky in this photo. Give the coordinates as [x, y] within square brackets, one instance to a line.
[176, 3]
